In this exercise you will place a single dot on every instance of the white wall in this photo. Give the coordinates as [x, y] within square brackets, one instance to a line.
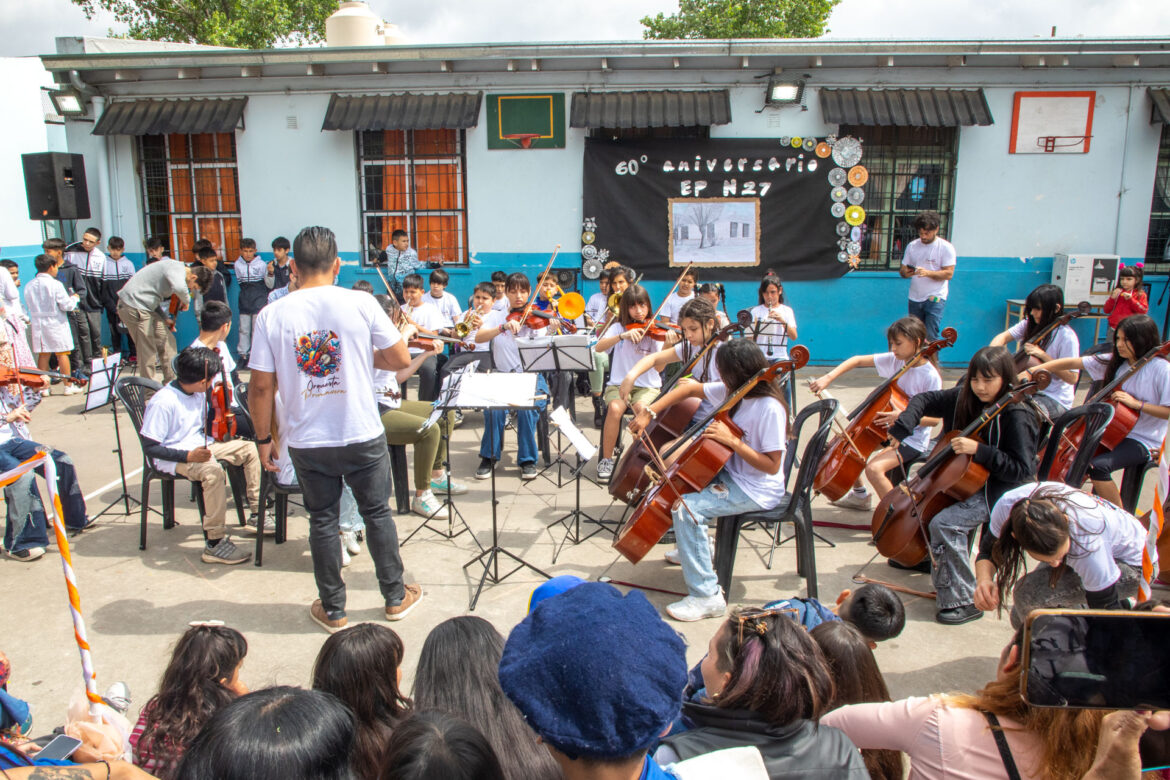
[23, 131]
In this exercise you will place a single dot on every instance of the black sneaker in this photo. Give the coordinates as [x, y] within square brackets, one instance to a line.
[922, 566]
[31, 554]
[225, 552]
[527, 471]
[956, 616]
[485, 468]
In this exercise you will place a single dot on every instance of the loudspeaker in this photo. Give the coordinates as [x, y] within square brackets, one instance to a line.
[54, 183]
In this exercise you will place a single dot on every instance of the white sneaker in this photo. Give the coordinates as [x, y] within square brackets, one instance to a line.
[350, 543]
[605, 468]
[693, 608]
[73, 389]
[344, 555]
[672, 556]
[855, 500]
[426, 505]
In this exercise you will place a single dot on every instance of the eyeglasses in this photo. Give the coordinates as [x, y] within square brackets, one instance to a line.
[755, 617]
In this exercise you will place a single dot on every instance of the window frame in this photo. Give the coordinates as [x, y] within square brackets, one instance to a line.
[890, 255]
[409, 160]
[1158, 260]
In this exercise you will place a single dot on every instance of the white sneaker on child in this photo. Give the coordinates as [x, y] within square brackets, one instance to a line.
[350, 543]
[855, 500]
[694, 608]
[344, 554]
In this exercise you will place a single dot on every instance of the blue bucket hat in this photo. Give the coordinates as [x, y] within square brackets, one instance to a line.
[596, 674]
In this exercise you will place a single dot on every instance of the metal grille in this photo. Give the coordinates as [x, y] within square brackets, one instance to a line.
[190, 190]
[414, 180]
[1158, 238]
[911, 169]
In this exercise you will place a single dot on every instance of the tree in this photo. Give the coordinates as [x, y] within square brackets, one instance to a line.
[247, 24]
[704, 215]
[742, 19]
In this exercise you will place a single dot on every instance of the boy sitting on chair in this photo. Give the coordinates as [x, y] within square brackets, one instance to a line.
[174, 436]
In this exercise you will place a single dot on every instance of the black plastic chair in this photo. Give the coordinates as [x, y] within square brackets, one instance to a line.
[1131, 485]
[134, 392]
[1096, 419]
[280, 493]
[796, 507]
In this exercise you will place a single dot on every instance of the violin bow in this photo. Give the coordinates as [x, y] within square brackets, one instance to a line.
[677, 282]
[539, 285]
[840, 426]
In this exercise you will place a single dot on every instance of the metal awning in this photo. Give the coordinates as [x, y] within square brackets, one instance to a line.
[406, 111]
[152, 117]
[659, 108]
[905, 107]
[1161, 98]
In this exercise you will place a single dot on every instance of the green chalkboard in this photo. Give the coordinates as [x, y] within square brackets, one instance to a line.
[536, 119]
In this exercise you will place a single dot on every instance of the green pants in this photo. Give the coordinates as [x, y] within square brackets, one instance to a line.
[401, 426]
[597, 375]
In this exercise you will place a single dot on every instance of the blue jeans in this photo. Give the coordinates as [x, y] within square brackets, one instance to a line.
[26, 524]
[493, 429]
[722, 498]
[348, 518]
[930, 312]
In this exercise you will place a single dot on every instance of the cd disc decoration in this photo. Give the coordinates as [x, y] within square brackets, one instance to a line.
[589, 252]
[823, 149]
[856, 196]
[842, 227]
[855, 215]
[858, 175]
[838, 177]
[838, 194]
[837, 210]
[847, 151]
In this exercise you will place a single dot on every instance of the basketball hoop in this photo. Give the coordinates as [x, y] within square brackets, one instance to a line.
[523, 140]
[1050, 143]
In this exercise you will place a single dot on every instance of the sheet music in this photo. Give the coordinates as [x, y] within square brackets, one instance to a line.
[103, 373]
[451, 385]
[497, 390]
[572, 352]
[560, 418]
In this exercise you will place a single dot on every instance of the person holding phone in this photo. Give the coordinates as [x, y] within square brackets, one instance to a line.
[1094, 546]
[929, 264]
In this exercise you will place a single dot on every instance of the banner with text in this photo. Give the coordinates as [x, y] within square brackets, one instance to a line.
[735, 207]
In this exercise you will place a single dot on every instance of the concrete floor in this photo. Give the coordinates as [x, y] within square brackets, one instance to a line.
[137, 603]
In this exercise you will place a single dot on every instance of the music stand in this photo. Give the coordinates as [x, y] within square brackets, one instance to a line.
[99, 392]
[497, 391]
[442, 406]
[557, 353]
[585, 452]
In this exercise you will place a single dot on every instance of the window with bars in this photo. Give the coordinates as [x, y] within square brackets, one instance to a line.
[911, 169]
[191, 190]
[1158, 237]
[414, 180]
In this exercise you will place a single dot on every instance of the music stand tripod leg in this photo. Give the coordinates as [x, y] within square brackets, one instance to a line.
[573, 529]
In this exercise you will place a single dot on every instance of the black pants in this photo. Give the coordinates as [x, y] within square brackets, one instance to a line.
[1130, 452]
[82, 347]
[428, 377]
[909, 457]
[119, 334]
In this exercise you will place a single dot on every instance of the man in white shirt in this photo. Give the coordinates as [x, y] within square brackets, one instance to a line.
[321, 344]
[929, 261]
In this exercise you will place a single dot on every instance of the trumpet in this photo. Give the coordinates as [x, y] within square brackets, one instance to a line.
[463, 327]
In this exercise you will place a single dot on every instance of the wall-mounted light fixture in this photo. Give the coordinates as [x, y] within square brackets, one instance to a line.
[784, 91]
[69, 102]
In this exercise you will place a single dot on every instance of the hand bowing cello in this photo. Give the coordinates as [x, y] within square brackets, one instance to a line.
[848, 452]
[629, 478]
[694, 468]
[1025, 360]
[1124, 418]
[903, 516]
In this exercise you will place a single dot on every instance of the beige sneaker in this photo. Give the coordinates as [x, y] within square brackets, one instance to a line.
[410, 600]
[321, 617]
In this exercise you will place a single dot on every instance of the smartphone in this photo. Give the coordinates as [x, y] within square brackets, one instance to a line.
[1097, 659]
[59, 748]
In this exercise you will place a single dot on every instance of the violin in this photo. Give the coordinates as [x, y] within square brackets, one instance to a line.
[1124, 419]
[629, 478]
[848, 452]
[1025, 361]
[222, 418]
[529, 317]
[173, 308]
[694, 468]
[900, 522]
[654, 330]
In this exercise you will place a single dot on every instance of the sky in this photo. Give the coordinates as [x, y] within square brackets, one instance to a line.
[31, 25]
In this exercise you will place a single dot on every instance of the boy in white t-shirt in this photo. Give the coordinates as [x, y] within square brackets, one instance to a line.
[503, 335]
[929, 261]
[437, 296]
[429, 321]
[215, 323]
[174, 435]
[500, 283]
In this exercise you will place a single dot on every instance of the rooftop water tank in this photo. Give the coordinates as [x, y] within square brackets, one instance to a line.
[354, 24]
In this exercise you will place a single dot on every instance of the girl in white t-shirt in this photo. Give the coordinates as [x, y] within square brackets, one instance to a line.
[773, 324]
[752, 481]
[906, 337]
[1095, 547]
[712, 292]
[1044, 305]
[1147, 392]
[627, 344]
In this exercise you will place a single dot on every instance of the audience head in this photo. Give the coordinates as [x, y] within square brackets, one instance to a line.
[44, 263]
[201, 276]
[363, 285]
[207, 256]
[437, 746]
[116, 243]
[155, 246]
[281, 243]
[855, 672]
[457, 673]
[874, 610]
[362, 666]
[927, 220]
[195, 364]
[439, 278]
[275, 734]
[248, 245]
[598, 675]
[214, 316]
[315, 251]
[412, 282]
[400, 239]
[54, 247]
[762, 661]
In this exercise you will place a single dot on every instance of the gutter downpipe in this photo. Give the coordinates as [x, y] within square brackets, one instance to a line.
[105, 204]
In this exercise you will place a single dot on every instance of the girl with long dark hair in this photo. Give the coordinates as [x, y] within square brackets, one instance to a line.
[905, 337]
[1043, 306]
[1006, 447]
[626, 345]
[1147, 392]
[203, 675]
[767, 685]
[437, 745]
[752, 481]
[774, 325]
[1089, 552]
[458, 674]
[856, 679]
[362, 666]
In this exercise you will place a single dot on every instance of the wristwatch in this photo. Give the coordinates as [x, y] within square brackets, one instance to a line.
[266, 440]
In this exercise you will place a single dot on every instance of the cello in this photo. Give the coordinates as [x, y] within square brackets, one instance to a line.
[899, 524]
[848, 452]
[629, 478]
[693, 470]
[1025, 361]
[1124, 419]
